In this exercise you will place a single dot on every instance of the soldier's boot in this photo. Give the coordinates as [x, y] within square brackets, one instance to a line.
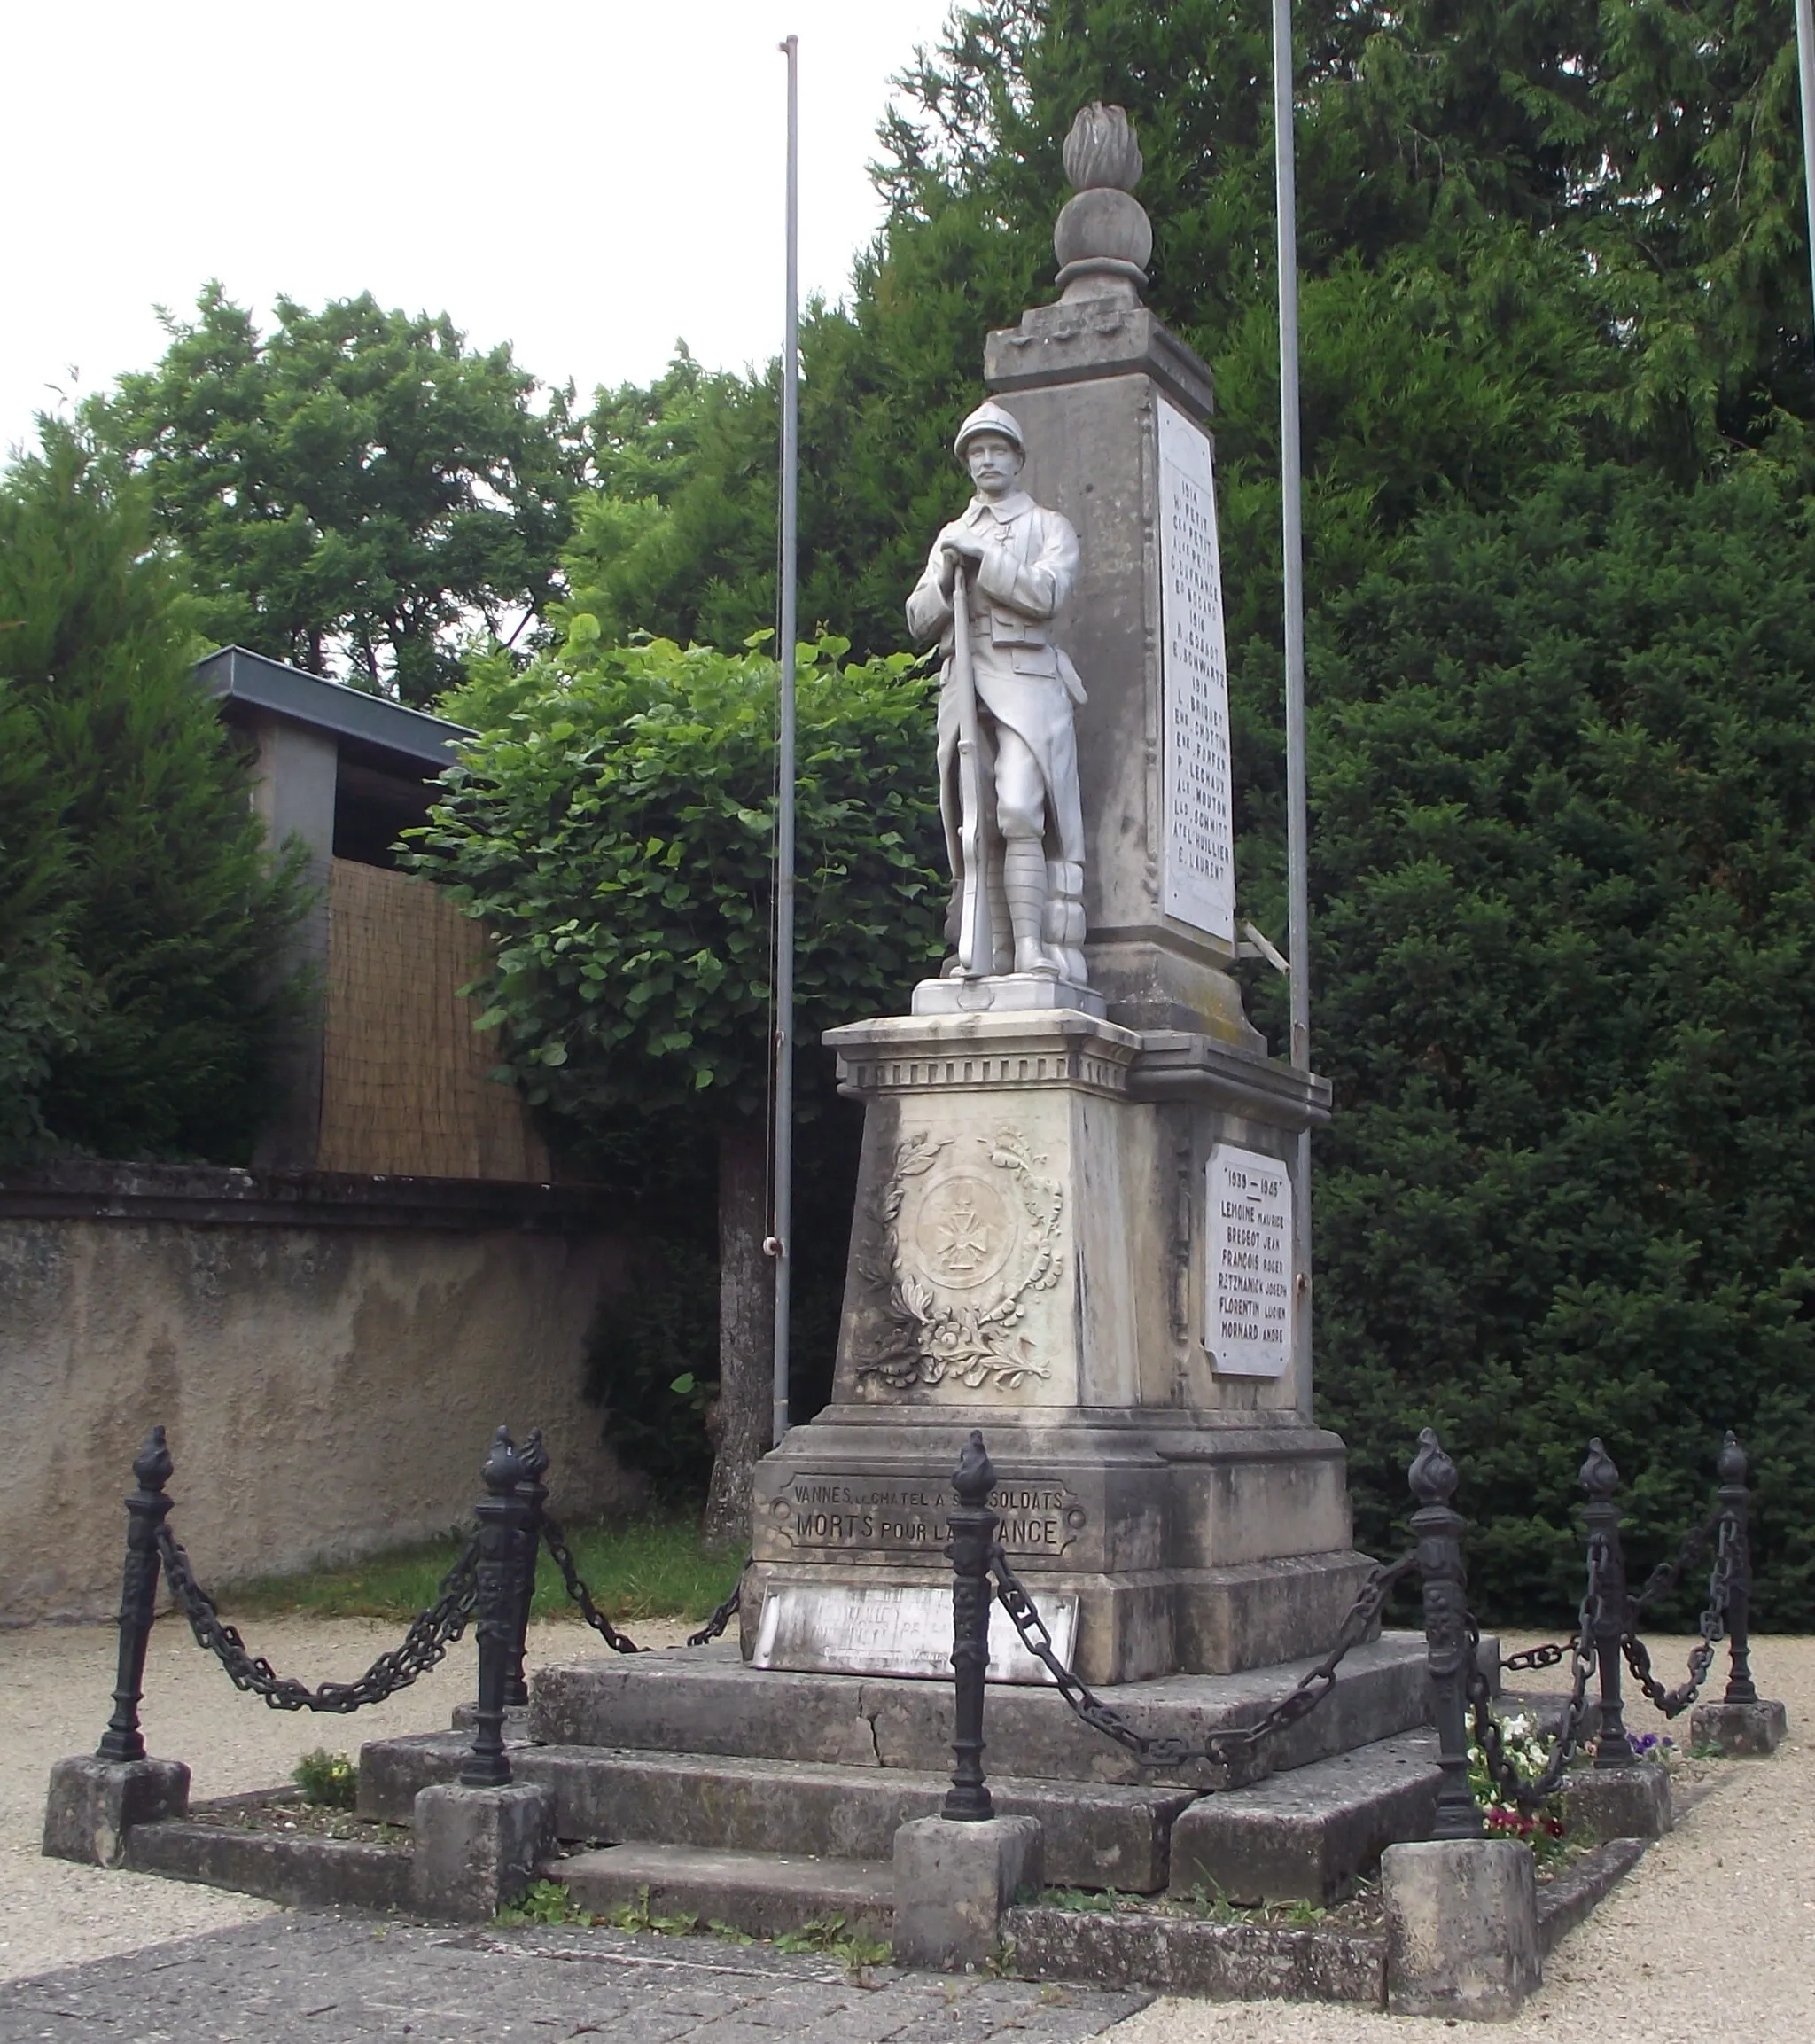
[1024, 881]
[1065, 918]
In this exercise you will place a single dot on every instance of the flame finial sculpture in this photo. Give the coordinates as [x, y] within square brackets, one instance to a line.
[1104, 238]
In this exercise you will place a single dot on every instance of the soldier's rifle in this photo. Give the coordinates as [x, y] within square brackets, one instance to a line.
[975, 940]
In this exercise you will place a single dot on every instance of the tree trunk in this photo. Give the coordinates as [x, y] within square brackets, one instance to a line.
[746, 1329]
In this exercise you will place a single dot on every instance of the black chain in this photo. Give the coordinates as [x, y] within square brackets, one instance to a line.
[1512, 1786]
[1544, 1657]
[1665, 1577]
[1219, 1749]
[619, 1643]
[431, 1633]
[722, 1614]
[1673, 1703]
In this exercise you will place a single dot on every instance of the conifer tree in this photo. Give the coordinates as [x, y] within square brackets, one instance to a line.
[144, 924]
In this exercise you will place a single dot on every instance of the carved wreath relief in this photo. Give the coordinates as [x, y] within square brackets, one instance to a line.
[953, 1246]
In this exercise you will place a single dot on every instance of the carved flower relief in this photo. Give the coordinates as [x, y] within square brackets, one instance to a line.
[954, 1247]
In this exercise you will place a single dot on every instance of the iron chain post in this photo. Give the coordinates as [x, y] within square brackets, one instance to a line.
[973, 1526]
[1613, 1614]
[1735, 1538]
[534, 1492]
[1437, 1526]
[503, 1515]
[146, 1511]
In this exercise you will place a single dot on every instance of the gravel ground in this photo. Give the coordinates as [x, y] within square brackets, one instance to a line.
[55, 1699]
[1711, 1936]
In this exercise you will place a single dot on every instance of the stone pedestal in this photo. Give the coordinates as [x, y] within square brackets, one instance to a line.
[476, 1850]
[1740, 1731]
[93, 1803]
[1602, 1803]
[953, 1883]
[1461, 1929]
[1032, 1255]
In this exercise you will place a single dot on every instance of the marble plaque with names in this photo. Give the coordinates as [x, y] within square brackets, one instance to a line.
[893, 1629]
[1248, 1289]
[1198, 866]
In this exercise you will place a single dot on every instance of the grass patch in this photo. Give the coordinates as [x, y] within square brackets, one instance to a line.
[645, 1568]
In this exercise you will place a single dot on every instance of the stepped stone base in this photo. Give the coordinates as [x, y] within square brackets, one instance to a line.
[763, 1894]
[1305, 1836]
[1097, 1834]
[709, 1702]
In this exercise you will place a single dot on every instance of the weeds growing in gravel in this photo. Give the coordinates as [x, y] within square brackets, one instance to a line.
[547, 1902]
[853, 1949]
[330, 1781]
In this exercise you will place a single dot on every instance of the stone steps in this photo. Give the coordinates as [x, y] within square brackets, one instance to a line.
[764, 1894]
[1304, 1835]
[707, 1701]
[1097, 1835]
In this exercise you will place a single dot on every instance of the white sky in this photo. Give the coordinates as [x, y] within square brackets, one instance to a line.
[588, 182]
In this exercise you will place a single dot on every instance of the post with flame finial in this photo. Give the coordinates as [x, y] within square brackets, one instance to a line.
[1735, 1499]
[1743, 1725]
[479, 1841]
[502, 1514]
[1612, 1607]
[146, 1511]
[958, 1873]
[95, 1798]
[1437, 1525]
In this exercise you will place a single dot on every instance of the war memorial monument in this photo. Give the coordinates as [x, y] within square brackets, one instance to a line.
[1075, 1225]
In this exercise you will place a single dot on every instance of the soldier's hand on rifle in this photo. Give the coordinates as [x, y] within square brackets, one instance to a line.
[962, 552]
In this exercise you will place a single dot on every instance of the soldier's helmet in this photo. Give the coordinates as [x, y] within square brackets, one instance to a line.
[990, 418]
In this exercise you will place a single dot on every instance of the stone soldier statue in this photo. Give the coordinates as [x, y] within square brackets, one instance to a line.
[1017, 563]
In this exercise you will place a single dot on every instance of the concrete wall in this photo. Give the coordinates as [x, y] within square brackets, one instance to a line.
[329, 1375]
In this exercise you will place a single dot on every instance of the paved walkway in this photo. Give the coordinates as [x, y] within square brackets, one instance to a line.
[1713, 1935]
[335, 1979]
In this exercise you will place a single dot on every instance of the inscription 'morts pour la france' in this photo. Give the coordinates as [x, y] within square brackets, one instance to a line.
[1248, 1289]
[851, 1513]
[1199, 875]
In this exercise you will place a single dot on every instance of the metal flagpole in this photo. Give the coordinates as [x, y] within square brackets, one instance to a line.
[1292, 550]
[780, 1244]
[1805, 70]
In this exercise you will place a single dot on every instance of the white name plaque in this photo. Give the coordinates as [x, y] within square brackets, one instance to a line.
[894, 1629]
[1198, 872]
[1248, 1292]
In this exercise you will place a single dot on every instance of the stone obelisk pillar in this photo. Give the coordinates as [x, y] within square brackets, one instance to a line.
[1075, 1223]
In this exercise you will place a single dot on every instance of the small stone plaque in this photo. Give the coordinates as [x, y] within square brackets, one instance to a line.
[1199, 874]
[894, 1629]
[1248, 1289]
